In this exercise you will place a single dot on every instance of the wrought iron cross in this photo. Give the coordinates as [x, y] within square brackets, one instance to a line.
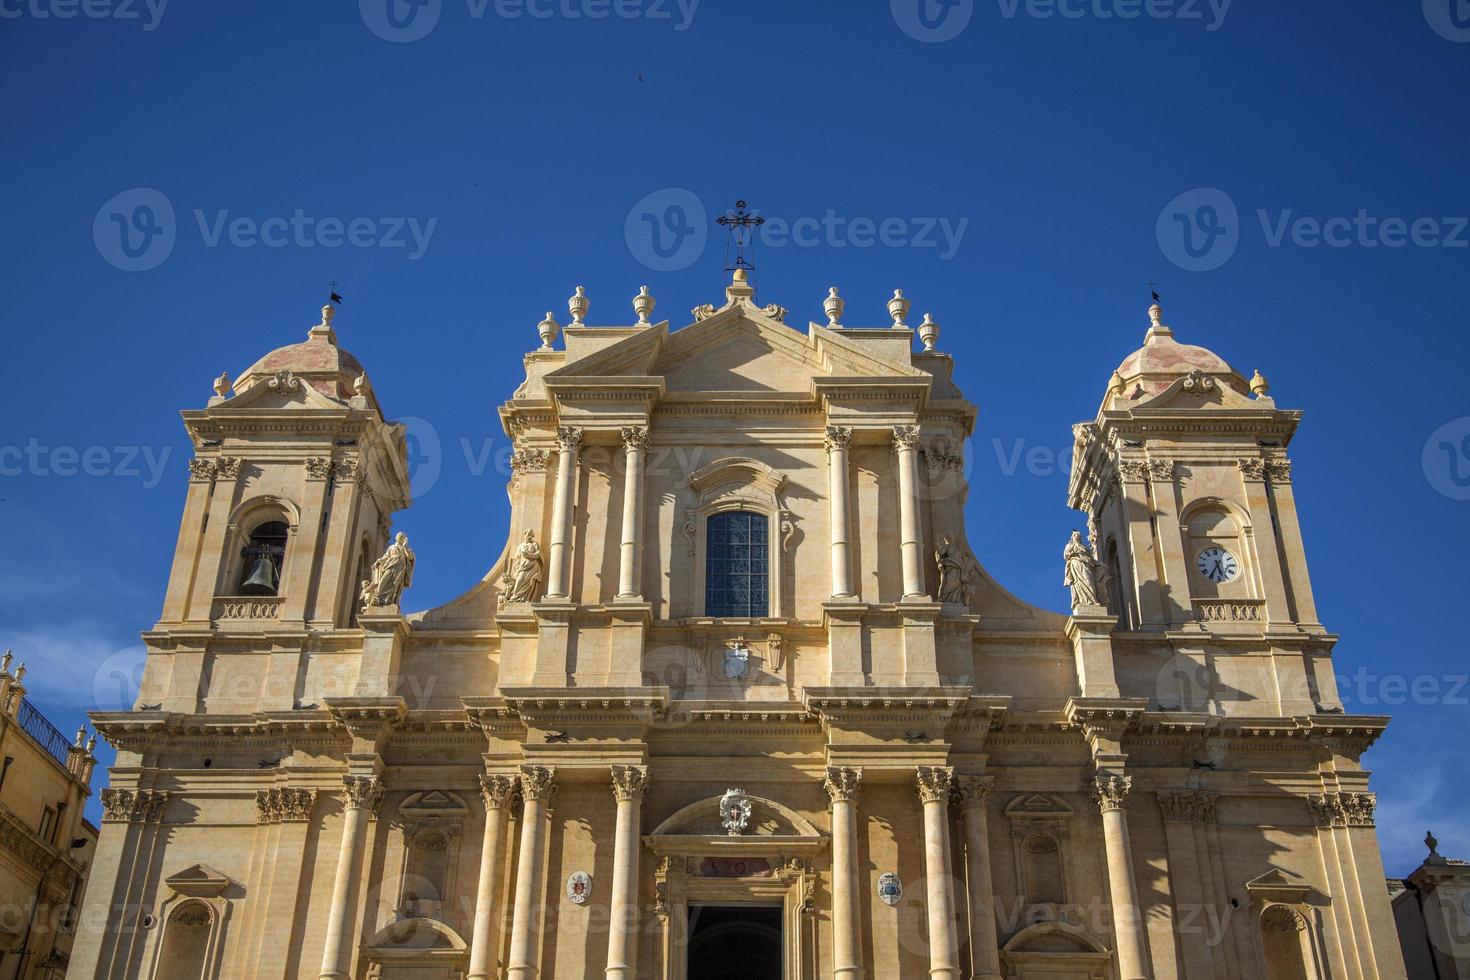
[741, 224]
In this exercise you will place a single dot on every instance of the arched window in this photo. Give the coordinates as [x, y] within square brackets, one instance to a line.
[185, 943]
[736, 564]
[262, 558]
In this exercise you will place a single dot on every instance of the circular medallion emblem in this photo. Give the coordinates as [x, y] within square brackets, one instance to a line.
[890, 889]
[579, 887]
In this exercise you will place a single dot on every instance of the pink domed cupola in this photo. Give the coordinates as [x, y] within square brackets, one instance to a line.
[318, 361]
[1162, 360]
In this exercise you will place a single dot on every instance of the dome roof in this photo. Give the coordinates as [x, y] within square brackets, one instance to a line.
[317, 360]
[1162, 360]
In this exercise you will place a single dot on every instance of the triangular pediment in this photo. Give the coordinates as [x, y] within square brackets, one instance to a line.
[1277, 885]
[198, 880]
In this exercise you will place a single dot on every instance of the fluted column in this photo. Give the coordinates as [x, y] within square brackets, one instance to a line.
[842, 785]
[497, 792]
[906, 443]
[1110, 792]
[628, 783]
[362, 795]
[838, 438]
[974, 793]
[569, 443]
[635, 445]
[538, 789]
[935, 784]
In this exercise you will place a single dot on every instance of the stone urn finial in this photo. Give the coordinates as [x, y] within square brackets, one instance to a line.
[928, 332]
[898, 308]
[643, 304]
[222, 385]
[577, 306]
[548, 329]
[328, 312]
[833, 306]
[1259, 385]
[1116, 385]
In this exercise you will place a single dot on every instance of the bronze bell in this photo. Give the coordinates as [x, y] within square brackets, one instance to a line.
[262, 580]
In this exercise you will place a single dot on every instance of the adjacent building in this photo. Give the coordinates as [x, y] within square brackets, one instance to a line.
[46, 844]
[738, 697]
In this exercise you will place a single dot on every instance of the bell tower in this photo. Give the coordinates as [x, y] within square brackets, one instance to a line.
[1186, 485]
[295, 477]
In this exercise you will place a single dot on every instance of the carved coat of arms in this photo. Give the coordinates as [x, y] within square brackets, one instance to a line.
[737, 660]
[890, 889]
[734, 811]
[579, 887]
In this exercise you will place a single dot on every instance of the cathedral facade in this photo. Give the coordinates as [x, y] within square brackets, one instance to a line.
[738, 698]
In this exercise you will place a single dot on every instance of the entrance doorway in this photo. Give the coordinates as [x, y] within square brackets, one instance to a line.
[734, 942]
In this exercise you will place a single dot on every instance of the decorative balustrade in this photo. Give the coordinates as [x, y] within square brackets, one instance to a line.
[1230, 610]
[249, 608]
[46, 734]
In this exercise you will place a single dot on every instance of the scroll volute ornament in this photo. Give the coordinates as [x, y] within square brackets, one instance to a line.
[497, 791]
[843, 783]
[935, 783]
[629, 783]
[1109, 792]
[538, 783]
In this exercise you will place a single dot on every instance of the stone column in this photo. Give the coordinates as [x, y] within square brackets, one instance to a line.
[569, 443]
[935, 783]
[497, 792]
[974, 793]
[838, 438]
[842, 785]
[1109, 792]
[538, 789]
[628, 783]
[1181, 810]
[362, 795]
[635, 444]
[911, 547]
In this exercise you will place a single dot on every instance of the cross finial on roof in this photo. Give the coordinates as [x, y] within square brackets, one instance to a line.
[741, 224]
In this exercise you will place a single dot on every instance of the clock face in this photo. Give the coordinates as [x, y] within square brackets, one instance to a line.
[1217, 565]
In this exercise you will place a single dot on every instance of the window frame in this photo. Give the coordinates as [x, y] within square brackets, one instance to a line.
[752, 549]
[738, 484]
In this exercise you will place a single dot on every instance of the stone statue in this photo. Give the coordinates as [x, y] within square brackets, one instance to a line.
[1082, 572]
[525, 571]
[391, 574]
[954, 577]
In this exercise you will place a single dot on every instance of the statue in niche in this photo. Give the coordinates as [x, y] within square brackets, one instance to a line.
[525, 571]
[954, 576]
[1083, 573]
[391, 574]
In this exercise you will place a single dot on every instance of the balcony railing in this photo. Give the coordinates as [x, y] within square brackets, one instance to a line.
[48, 735]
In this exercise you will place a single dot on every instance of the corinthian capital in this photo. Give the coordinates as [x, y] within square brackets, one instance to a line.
[905, 437]
[363, 792]
[629, 782]
[538, 783]
[497, 791]
[568, 439]
[635, 437]
[838, 437]
[935, 783]
[843, 783]
[1109, 792]
[974, 791]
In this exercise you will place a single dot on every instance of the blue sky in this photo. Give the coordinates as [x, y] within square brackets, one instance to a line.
[1291, 174]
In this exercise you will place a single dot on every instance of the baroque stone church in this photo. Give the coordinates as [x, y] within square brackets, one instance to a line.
[738, 699]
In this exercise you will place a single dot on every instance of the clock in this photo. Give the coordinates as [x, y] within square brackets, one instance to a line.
[1217, 564]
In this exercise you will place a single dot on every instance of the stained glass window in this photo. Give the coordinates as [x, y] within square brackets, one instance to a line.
[735, 571]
